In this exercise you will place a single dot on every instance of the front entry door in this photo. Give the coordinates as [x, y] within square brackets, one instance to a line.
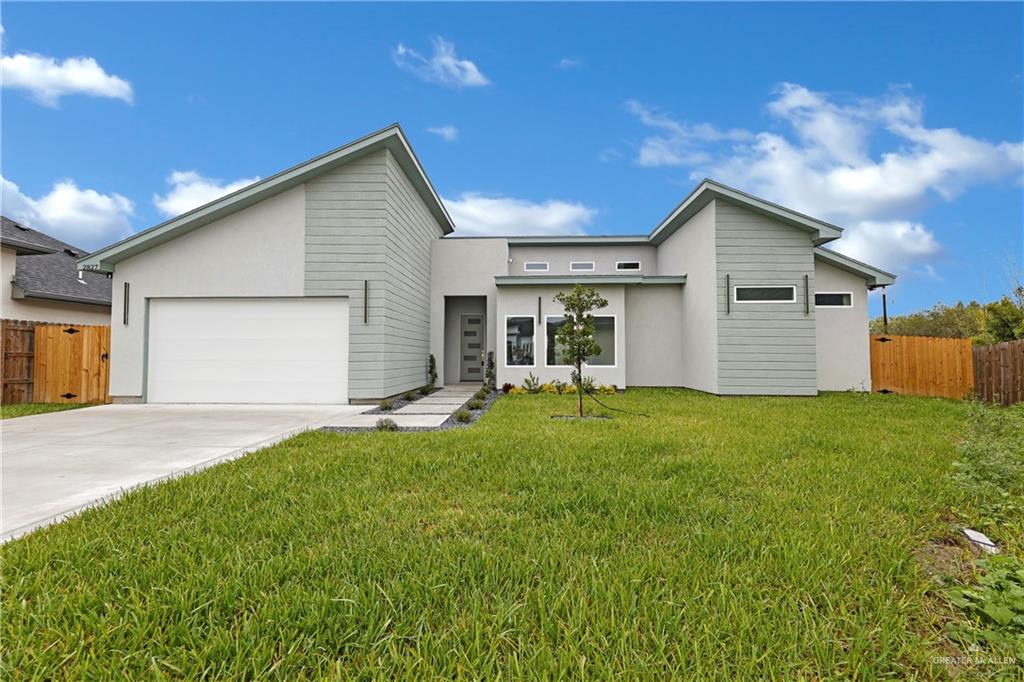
[471, 347]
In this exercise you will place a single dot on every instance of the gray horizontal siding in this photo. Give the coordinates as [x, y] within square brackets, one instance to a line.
[763, 348]
[346, 243]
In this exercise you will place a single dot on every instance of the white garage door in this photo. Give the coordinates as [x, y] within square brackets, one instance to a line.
[248, 350]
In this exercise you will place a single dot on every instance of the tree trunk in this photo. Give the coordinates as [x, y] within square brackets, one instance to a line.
[579, 386]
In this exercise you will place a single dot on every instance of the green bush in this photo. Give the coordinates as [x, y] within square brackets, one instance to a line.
[475, 404]
[409, 395]
[386, 424]
[425, 390]
[463, 415]
[531, 383]
[387, 404]
[482, 394]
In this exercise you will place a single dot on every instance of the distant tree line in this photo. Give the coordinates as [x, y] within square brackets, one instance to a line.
[985, 323]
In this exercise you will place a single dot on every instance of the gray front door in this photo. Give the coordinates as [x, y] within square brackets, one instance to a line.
[471, 347]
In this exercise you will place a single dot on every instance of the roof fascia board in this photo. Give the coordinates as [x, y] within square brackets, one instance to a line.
[20, 293]
[103, 259]
[539, 280]
[581, 240]
[874, 276]
[23, 248]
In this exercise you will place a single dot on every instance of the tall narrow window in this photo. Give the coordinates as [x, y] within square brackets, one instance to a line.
[126, 303]
[519, 341]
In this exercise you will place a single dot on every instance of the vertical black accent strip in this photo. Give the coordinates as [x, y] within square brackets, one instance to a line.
[366, 301]
[126, 289]
[885, 313]
[807, 293]
[728, 296]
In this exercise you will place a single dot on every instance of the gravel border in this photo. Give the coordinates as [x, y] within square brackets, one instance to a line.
[399, 401]
[446, 425]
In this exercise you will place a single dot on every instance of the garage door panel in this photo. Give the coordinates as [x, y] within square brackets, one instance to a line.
[248, 350]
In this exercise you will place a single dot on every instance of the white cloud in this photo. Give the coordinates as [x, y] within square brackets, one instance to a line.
[475, 214]
[81, 217]
[821, 157]
[893, 245]
[443, 67]
[47, 80]
[566, 63]
[190, 190]
[448, 133]
[677, 144]
[609, 154]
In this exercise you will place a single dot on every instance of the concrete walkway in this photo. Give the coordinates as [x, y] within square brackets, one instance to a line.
[426, 413]
[58, 463]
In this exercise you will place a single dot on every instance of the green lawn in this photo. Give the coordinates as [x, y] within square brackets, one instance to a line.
[26, 409]
[724, 537]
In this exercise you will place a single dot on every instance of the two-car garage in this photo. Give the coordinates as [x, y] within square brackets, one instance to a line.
[247, 350]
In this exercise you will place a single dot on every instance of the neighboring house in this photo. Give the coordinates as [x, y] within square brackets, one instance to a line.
[332, 281]
[42, 282]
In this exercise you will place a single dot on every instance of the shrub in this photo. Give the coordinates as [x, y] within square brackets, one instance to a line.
[531, 383]
[563, 387]
[386, 424]
[490, 377]
[387, 404]
[409, 395]
[517, 390]
[431, 370]
[425, 390]
[605, 389]
[507, 387]
[482, 394]
[549, 387]
[475, 404]
[463, 415]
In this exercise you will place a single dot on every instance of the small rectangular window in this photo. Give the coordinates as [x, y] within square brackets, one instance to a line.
[833, 299]
[627, 265]
[581, 265]
[779, 294]
[535, 266]
[519, 341]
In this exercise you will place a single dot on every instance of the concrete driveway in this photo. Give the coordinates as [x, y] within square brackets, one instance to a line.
[56, 464]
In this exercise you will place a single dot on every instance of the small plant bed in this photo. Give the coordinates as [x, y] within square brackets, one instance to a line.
[462, 416]
[389, 405]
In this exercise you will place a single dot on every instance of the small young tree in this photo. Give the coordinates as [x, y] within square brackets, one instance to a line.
[576, 334]
[431, 371]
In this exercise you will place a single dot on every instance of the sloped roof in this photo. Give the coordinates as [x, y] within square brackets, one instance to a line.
[391, 138]
[20, 237]
[51, 271]
[873, 276]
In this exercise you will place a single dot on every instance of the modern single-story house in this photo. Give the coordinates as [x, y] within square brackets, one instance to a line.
[333, 281]
[42, 282]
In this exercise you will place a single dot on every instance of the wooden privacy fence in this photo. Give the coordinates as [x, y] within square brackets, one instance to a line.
[999, 372]
[922, 365]
[55, 363]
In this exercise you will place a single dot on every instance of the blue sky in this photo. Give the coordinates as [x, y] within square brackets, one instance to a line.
[902, 123]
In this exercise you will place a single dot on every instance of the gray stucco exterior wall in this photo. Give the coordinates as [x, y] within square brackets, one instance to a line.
[604, 258]
[763, 348]
[654, 348]
[464, 267]
[843, 346]
[690, 251]
[257, 251]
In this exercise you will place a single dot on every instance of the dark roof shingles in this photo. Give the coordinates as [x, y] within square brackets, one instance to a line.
[55, 275]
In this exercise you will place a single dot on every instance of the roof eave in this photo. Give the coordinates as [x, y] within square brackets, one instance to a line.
[872, 275]
[580, 240]
[20, 292]
[391, 137]
[555, 280]
[22, 248]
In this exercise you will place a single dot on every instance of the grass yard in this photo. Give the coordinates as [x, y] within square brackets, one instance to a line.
[725, 538]
[26, 409]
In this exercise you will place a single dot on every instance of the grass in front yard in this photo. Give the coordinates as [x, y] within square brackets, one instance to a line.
[732, 538]
[26, 409]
